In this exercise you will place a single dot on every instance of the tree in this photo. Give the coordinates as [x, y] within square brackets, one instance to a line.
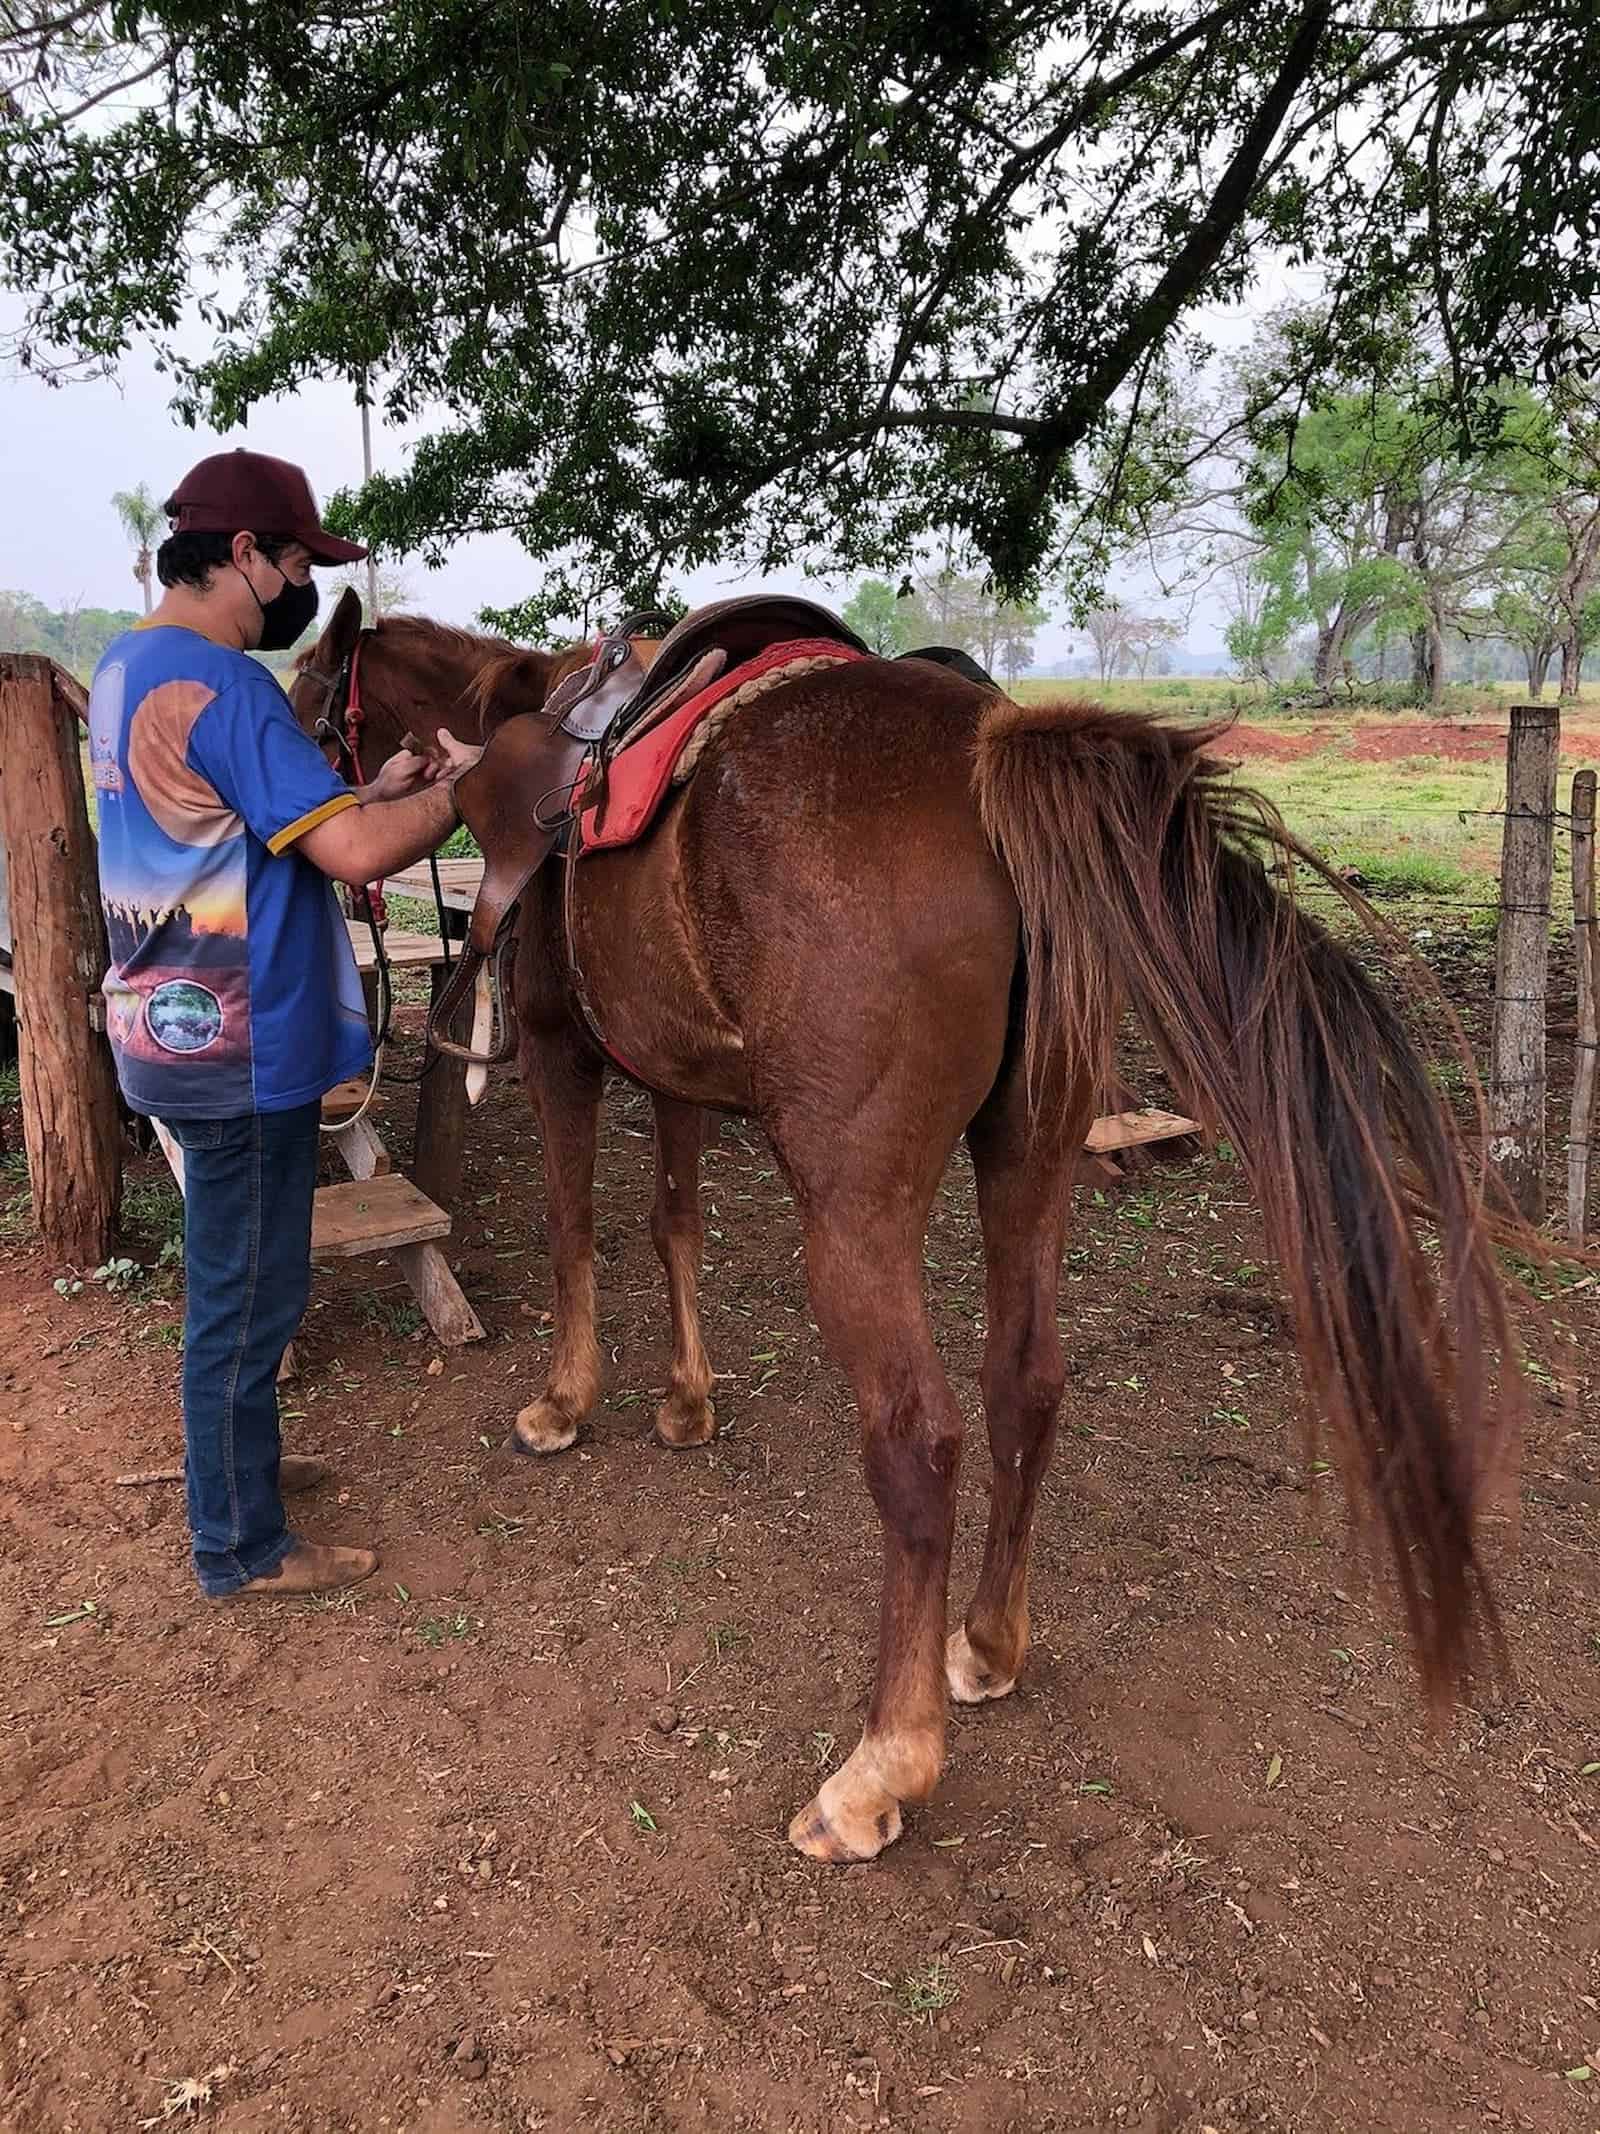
[394, 590]
[729, 279]
[881, 617]
[1113, 631]
[142, 519]
[1148, 640]
[73, 635]
[1326, 497]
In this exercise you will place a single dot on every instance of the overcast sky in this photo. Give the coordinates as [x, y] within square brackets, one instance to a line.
[65, 449]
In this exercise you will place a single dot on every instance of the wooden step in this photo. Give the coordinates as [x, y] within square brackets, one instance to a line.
[344, 1100]
[1131, 1129]
[373, 1215]
[402, 951]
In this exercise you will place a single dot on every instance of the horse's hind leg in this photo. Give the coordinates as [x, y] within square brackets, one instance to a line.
[864, 1258]
[564, 1081]
[1024, 1177]
[685, 1416]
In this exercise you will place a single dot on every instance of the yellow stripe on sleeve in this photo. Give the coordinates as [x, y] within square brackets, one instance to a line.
[295, 830]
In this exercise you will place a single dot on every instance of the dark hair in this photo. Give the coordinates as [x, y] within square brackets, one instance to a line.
[190, 558]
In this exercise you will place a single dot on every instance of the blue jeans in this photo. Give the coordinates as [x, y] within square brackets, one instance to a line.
[247, 1184]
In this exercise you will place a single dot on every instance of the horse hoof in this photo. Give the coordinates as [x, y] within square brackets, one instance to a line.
[540, 1430]
[842, 1841]
[971, 1680]
[682, 1424]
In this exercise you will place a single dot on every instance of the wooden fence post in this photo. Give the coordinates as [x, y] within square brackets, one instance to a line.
[1586, 968]
[1522, 956]
[70, 1123]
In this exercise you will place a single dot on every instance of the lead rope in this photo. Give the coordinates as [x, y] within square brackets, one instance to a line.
[372, 905]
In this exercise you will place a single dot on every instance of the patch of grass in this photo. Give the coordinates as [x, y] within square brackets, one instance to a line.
[497, 1527]
[434, 1629]
[1410, 874]
[400, 1320]
[921, 1993]
[11, 1084]
[153, 1209]
[16, 1207]
[725, 1638]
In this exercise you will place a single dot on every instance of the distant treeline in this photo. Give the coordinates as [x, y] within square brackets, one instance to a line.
[74, 636]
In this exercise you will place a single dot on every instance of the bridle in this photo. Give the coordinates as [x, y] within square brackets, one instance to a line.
[341, 689]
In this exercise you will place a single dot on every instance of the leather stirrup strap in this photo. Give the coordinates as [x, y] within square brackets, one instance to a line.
[459, 986]
[515, 800]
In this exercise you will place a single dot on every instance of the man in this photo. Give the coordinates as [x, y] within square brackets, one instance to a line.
[233, 1002]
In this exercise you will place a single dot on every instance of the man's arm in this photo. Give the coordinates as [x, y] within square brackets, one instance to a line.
[391, 826]
[369, 841]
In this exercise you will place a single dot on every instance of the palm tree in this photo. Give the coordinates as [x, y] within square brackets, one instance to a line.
[141, 521]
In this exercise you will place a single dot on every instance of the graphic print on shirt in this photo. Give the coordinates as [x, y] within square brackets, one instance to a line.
[174, 885]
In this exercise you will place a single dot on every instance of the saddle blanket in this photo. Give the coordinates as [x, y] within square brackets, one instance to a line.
[639, 776]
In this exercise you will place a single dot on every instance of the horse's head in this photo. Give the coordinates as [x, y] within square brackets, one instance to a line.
[359, 691]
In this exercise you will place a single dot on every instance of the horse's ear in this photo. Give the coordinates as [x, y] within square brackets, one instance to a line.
[344, 626]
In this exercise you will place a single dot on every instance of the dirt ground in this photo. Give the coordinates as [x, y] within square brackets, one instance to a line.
[499, 1844]
[1475, 740]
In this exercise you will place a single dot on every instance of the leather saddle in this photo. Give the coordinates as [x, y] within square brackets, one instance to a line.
[517, 799]
[626, 688]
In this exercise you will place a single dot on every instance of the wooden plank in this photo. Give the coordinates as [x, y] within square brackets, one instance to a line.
[1522, 956]
[404, 951]
[373, 1215]
[440, 1295]
[361, 1146]
[345, 1098]
[458, 882]
[1131, 1129]
[70, 1121]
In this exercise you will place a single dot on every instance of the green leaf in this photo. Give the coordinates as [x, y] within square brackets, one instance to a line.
[642, 1816]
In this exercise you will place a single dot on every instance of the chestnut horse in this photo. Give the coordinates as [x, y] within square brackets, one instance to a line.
[892, 909]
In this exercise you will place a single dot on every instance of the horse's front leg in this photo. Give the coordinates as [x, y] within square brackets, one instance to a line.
[685, 1416]
[563, 1081]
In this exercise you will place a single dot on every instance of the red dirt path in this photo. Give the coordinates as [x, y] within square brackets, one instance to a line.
[1454, 740]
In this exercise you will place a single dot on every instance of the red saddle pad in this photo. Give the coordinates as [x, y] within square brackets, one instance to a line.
[641, 773]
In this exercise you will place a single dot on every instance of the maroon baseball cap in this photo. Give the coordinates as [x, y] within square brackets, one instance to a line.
[246, 492]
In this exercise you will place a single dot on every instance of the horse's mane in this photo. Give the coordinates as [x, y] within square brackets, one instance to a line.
[422, 631]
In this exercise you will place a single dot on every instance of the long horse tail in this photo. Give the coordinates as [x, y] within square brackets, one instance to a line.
[1139, 871]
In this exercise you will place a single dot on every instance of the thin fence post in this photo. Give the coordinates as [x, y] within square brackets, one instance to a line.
[70, 1122]
[1587, 969]
[1517, 1085]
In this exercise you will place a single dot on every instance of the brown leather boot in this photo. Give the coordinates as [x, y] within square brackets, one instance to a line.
[298, 1471]
[310, 1567]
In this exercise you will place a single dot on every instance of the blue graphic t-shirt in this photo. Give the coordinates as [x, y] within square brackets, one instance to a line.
[232, 985]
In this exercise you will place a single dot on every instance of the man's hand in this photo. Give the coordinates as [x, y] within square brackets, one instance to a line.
[459, 757]
[365, 843]
[405, 773]
[411, 770]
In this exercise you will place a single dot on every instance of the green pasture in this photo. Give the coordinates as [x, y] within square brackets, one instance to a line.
[1425, 826]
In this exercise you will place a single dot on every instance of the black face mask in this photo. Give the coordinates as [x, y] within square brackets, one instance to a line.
[286, 614]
